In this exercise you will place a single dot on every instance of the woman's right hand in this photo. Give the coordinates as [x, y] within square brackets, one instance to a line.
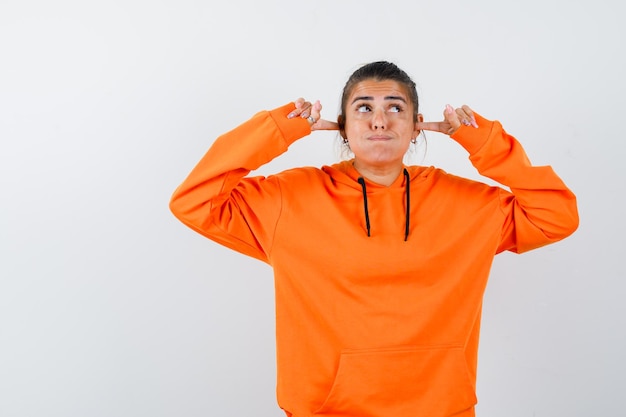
[312, 112]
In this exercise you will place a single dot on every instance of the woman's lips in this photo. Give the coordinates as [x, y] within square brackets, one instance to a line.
[379, 138]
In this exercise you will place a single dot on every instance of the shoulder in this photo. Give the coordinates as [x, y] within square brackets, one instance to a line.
[300, 177]
[299, 173]
[443, 182]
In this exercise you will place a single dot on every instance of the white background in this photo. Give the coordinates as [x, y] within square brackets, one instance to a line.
[111, 307]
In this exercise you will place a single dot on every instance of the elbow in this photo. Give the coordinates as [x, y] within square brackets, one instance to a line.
[568, 222]
[573, 220]
[555, 225]
[572, 224]
[176, 206]
[189, 211]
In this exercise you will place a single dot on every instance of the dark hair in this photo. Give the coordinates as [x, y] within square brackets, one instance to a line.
[379, 71]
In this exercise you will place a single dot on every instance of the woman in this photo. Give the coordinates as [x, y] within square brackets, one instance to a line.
[380, 268]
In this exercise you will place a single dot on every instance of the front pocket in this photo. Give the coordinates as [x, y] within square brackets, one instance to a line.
[400, 382]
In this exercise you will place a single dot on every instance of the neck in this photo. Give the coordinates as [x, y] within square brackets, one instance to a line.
[383, 175]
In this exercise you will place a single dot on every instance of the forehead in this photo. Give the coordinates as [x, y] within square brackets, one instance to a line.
[378, 89]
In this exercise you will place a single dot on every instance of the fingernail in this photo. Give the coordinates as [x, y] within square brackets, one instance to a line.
[474, 122]
[290, 116]
[449, 108]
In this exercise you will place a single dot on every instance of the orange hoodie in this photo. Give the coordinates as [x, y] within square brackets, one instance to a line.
[374, 326]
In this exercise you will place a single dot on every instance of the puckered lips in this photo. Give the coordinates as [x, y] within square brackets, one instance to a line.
[379, 138]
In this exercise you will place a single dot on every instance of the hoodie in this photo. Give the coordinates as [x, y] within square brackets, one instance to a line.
[378, 289]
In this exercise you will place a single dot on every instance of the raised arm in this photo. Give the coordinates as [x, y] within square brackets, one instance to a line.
[217, 201]
[540, 208]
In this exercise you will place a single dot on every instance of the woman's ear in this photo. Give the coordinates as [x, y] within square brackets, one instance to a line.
[419, 118]
[341, 122]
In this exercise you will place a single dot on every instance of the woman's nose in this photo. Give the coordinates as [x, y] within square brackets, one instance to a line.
[379, 120]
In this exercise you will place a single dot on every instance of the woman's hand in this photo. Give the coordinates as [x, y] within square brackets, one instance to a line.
[312, 112]
[453, 119]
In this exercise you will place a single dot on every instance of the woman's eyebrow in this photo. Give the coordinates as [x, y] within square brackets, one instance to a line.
[362, 98]
[400, 98]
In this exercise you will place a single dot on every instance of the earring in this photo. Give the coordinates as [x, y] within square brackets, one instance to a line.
[414, 141]
[345, 141]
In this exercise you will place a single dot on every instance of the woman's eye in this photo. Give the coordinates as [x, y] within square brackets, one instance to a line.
[395, 109]
[363, 108]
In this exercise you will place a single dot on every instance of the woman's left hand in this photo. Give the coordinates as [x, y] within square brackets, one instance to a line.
[453, 119]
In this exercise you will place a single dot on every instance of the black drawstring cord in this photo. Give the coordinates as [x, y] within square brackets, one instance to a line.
[407, 214]
[408, 205]
[367, 214]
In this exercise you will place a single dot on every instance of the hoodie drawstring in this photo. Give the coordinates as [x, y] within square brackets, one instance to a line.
[407, 209]
[367, 213]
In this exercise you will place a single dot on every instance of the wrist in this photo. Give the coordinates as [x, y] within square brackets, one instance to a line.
[473, 138]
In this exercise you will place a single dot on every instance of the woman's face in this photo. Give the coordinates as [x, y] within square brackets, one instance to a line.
[379, 123]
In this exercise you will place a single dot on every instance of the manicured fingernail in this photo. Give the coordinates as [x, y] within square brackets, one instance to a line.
[290, 116]
[474, 122]
[449, 108]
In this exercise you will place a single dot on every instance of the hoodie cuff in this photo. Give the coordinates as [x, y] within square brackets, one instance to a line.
[291, 129]
[471, 138]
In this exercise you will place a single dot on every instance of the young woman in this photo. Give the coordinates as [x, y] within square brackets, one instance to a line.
[379, 267]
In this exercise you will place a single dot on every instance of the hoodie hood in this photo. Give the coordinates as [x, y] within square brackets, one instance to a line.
[345, 173]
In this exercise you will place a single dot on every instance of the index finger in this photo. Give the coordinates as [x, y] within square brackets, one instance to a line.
[441, 127]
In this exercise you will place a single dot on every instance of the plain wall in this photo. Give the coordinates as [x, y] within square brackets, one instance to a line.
[111, 307]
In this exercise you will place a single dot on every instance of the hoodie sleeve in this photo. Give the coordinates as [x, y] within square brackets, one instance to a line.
[217, 201]
[539, 209]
